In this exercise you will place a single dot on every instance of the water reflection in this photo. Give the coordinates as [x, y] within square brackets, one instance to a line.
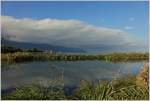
[63, 72]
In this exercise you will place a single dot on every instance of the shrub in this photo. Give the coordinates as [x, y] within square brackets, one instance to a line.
[35, 92]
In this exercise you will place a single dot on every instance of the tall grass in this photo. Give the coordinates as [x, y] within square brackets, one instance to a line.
[40, 56]
[35, 92]
[126, 56]
[114, 90]
[124, 89]
[39, 90]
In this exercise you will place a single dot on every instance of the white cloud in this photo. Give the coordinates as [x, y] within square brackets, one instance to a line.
[71, 32]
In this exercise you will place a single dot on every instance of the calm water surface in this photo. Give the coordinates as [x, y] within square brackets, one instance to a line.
[69, 72]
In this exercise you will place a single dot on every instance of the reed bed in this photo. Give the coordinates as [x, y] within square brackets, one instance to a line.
[41, 56]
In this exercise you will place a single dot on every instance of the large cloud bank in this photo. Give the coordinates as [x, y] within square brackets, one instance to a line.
[72, 33]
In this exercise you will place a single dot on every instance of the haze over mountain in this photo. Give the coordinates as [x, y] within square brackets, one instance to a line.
[44, 47]
[93, 27]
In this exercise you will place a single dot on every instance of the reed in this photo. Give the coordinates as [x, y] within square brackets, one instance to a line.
[121, 89]
[41, 56]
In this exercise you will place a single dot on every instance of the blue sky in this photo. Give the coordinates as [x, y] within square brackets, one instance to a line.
[130, 17]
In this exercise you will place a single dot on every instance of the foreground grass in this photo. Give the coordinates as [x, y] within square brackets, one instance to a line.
[35, 92]
[127, 88]
[122, 89]
[40, 56]
[116, 90]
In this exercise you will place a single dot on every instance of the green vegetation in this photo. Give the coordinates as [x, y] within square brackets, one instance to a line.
[36, 92]
[115, 90]
[126, 56]
[123, 89]
[129, 88]
[41, 56]
[33, 50]
[142, 79]
[12, 55]
[10, 49]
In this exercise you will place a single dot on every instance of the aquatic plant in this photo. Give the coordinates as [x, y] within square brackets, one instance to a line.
[40, 56]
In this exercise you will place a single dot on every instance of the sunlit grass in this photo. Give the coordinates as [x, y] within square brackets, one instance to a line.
[35, 92]
[125, 89]
[122, 89]
[40, 56]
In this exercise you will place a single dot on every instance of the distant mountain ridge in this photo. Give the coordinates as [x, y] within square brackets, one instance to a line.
[27, 45]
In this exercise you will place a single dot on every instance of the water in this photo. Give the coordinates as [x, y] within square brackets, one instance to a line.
[70, 73]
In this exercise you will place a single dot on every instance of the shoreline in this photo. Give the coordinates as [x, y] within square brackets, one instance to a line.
[39, 56]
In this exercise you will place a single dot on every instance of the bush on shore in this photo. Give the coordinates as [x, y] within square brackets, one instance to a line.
[35, 92]
[142, 79]
[122, 89]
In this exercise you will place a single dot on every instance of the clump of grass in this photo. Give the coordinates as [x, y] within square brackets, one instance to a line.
[126, 88]
[142, 79]
[114, 90]
[35, 92]
[132, 92]
[98, 91]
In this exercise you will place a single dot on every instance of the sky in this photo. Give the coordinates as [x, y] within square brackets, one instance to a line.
[99, 25]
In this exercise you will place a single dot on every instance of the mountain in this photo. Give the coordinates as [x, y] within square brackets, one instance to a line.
[26, 45]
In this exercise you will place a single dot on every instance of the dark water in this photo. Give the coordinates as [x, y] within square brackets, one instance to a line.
[69, 73]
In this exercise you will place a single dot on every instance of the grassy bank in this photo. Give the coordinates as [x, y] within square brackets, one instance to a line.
[40, 56]
[125, 89]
